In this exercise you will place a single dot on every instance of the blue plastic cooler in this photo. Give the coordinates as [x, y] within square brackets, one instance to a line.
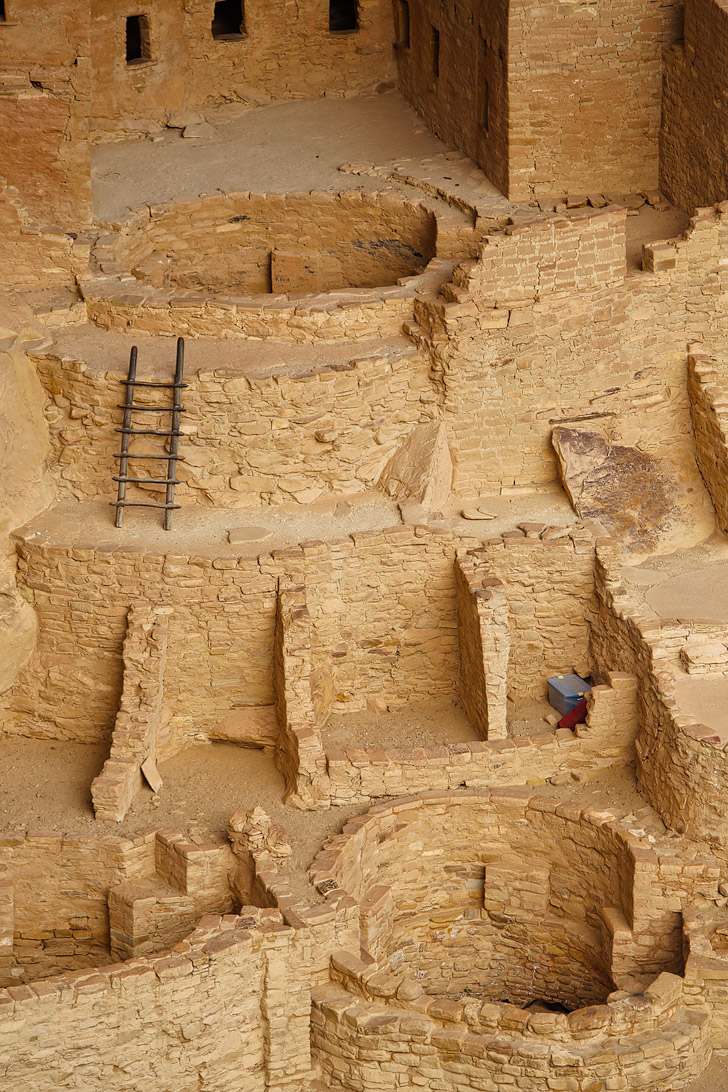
[566, 691]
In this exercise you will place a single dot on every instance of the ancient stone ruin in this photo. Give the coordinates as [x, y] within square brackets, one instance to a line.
[363, 411]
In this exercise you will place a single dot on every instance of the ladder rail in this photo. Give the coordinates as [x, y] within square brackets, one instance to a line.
[126, 426]
[174, 440]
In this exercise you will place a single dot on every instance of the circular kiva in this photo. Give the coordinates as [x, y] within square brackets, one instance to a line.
[498, 931]
[195, 266]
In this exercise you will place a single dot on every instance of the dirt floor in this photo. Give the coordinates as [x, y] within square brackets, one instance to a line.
[706, 697]
[45, 785]
[714, 1079]
[418, 724]
[428, 724]
[292, 145]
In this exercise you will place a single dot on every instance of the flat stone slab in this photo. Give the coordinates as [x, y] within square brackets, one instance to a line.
[477, 513]
[248, 534]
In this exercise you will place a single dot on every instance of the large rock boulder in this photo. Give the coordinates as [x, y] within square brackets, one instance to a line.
[642, 499]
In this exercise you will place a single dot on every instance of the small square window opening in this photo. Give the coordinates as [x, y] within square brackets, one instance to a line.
[228, 20]
[138, 41]
[343, 16]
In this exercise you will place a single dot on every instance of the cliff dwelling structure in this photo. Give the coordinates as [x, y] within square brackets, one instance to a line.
[363, 546]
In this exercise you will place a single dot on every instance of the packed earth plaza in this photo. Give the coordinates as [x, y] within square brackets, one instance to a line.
[363, 546]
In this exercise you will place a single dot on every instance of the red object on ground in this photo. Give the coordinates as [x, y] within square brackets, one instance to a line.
[576, 716]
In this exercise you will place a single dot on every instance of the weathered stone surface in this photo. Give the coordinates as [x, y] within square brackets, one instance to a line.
[637, 497]
[422, 468]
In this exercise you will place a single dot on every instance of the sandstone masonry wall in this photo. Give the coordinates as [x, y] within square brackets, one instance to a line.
[249, 438]
[137, 729]
[693, 154]
[235, 999]
[509, 371]
[563, 100]
[469, 37]
[287, 52]
[584, 96]
[682, 767]
[246, 243]
[485, 643]
[708, 410]
[44, 102]
[65, 890]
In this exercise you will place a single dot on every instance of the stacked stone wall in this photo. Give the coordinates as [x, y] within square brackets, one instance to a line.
[584, 96]
[518, 858]
[430, 851]
[681, 764]
[693, 154]
[639, 1042]
[44, 104]
[286, 52]
[382, 611]
[544, 113]
[710, 428]
[65, 892]
[136, 737]
[235, 1004]
[613, 352]
[248, 439]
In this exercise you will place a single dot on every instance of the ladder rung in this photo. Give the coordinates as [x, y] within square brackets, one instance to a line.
[149, 431]
[145, 481]
[153, 409]
[141, 504]
[146, 455]
[147, 383]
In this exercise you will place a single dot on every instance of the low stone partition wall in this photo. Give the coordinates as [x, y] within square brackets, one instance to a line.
[67, 901]
[386, 615]
[456, 638]
[709, 414]
[485, 644]
[299, 753]
[682, 765]
[136, 735]
[606, 739]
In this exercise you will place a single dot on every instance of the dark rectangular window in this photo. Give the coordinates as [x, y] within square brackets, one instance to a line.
[3, 16]
[138, 42]
[485, 108]
[404, 24]
[343, 16]
[228, 20]
[435, 52]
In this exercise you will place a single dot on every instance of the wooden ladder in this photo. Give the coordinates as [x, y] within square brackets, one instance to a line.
[172, 435]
